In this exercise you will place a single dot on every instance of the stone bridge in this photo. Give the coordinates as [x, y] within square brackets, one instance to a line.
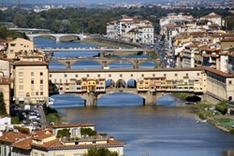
[104, 62]
[90, 99]
[56, 36]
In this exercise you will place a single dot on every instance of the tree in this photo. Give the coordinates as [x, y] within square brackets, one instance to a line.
[94, 151]
[63, 132]
[2, 105]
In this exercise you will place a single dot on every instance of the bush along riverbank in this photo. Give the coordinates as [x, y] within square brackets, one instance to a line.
[52, 116]
[218, 115]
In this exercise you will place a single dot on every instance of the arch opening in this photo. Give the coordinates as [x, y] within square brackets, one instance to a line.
[147, 65]
[51, 37]
[56, 65]
[120, 84]
[132, 83]
[69, 38]
[110, 83]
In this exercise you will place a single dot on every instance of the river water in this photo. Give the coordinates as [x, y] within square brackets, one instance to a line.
[166, 129]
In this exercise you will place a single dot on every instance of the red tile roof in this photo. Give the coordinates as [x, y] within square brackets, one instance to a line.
[85, 124]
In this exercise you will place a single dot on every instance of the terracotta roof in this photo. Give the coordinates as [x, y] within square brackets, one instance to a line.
[228, 40]
[42, 136]
[23, 144]
[4, 80]
[73, 125]
[56, 144]
[11, 137]
[27, 63]
[218, 72]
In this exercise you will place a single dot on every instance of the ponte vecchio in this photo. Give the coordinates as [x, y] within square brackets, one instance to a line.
[91, 84]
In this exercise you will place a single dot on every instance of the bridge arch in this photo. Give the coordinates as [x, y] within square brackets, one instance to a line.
[57, 65]
[70, 35]
[42, 35]
[148, 63]
[87, 61]
[119, 62]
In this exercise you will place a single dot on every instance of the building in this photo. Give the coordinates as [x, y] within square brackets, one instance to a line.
[131, 29]
[5, 88]
[214, 18]
[19, 45]
[219, 84]
[45, 142]
[31, 80]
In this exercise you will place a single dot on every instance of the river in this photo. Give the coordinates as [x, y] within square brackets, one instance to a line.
[166, 129]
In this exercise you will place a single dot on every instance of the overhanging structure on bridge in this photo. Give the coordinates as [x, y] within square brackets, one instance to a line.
[149, 83]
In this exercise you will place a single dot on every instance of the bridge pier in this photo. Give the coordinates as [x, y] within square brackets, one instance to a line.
[136, 65]
[103, 64]
[68, 65]
[102, 53]
[91, 99]
[57, 39]
[150, 99]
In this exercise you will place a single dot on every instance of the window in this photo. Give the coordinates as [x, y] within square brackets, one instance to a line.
[229, 82]
[109, 75]
[37, 93]
[142, 75]
[74, 131]
[175, 74]
[65, 75]
[32, 93]
[198, 74]
[50, 75]
[32, 87]
[32, 81]
[21, 80]
[153, 75]
[41, 73]
[131, 75]
[120, 75]
[164, 75]
[41, 93]
[32, 73]
[21, 93]
[41, 87]
[76, 75]
[87, 75]
[98, 75]
[21, 74]
[41, 81]
[21, 87]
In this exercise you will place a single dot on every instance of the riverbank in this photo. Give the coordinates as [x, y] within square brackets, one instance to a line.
[210, 113]
[215, 114]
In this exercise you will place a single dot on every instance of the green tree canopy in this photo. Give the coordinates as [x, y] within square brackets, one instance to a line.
[93, 151]
[3, 111]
